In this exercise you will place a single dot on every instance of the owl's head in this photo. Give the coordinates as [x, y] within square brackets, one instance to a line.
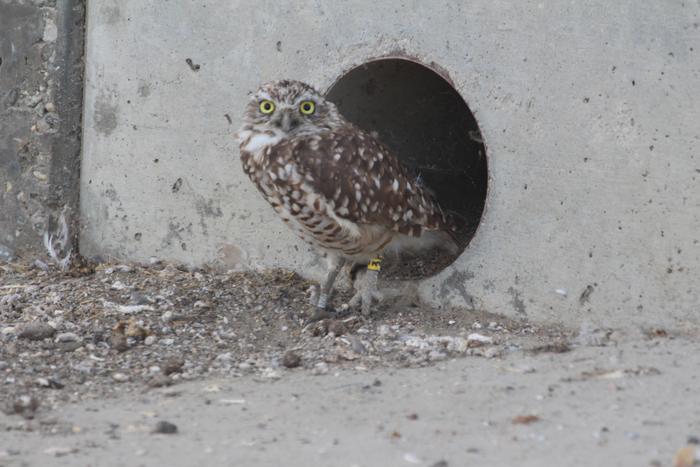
[290, 108]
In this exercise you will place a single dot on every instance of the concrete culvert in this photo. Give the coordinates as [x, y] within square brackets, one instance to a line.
[425, 121]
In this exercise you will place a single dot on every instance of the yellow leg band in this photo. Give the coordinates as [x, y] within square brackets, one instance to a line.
[375, 264]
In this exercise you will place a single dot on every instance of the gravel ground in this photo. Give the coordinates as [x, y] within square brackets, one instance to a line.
[220, 368]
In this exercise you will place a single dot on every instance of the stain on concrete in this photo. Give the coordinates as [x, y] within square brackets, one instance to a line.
[111, 194]
[586, 294]
[177, 185]
[144, 89]
[175, 233]
[193, 66]
[207, 210]
[232, 256]
[517, 301]
[110, 14]
[457, 281]
[105, 118]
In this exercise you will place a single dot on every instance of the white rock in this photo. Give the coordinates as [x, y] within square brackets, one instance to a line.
[476, 337]
[321, 368]
[150, 340]
[224, 357]
[120, 377]
[67, 337]
[131, 309]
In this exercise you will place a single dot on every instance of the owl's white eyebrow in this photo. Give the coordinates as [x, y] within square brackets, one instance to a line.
[263, 95]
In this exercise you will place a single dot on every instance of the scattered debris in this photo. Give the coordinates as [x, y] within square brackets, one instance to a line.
[605, 374]
[24, 405]
[475, 340]
[119, 326]
[60, 451]
[49, 383]
[591, 336]
[557, 346]
[525, 419]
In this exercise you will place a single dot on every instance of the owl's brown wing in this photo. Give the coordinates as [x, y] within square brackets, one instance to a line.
[365, 181]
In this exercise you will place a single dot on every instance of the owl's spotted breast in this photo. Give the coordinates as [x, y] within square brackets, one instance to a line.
[364, 181]
[341, 190]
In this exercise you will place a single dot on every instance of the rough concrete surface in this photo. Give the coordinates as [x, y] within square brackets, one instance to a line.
[41, 51]
[588, 111]
[630, 405]
[222, 366]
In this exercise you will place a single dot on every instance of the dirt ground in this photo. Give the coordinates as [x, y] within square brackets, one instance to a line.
[160, 365]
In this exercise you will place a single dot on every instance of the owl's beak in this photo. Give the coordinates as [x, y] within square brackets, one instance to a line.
[287, 120]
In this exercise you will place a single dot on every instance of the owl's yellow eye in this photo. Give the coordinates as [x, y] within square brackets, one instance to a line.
[267, 106]
[307, 107]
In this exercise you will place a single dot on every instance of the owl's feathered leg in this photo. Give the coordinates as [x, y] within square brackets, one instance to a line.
[335, 264]
[366, 288]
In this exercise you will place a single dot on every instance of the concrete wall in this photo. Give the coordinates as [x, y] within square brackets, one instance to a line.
[41, 67]
[589, 111]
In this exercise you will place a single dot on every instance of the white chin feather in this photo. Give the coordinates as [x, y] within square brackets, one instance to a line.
[261, 140]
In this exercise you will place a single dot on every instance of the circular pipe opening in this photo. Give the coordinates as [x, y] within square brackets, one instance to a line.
[424, 120]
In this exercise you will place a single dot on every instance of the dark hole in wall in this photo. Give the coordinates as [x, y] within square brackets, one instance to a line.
[425, 121]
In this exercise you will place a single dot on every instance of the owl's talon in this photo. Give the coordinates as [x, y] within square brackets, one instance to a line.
[313, 292]
[318, 315]
[366, 293]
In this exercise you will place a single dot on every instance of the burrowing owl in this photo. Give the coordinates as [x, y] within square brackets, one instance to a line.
[335, 185]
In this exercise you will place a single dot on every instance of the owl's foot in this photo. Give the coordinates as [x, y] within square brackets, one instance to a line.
[367, 291]
[318, 314]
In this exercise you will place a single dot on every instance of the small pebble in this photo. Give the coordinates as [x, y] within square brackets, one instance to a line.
[173, 365]
[118, 342]
[49, 383]
[160, 381]
[165, 428]
[321, 368]
[120, 377]
[337, 327]
[67, 337]
[36, 331]
[150, 340]
[291, 359]
[478, 339]
[357, 346]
